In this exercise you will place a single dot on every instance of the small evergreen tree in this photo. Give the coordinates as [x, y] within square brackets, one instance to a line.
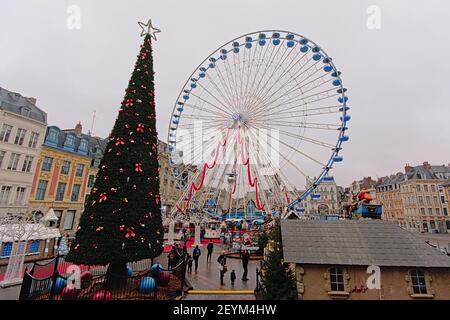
[278, 282]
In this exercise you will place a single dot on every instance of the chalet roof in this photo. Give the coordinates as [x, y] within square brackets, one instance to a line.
[356, 242]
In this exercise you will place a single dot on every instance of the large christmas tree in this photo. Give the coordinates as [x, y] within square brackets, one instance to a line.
[122, 218]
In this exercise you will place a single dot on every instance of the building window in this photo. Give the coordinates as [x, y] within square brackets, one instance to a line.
[2, 156]
[445, 213]
[58, 213]
[20, 136]
[60, 191]
[337, 279]
[20, 195]
[75, 193]
[34, 247]
[4, 194]
[42, 187]
[13, 161]
[5, 133]
[65, 167]
[91, 181]
[80, 169]
[418, 188]
[425, 187]
[68, 221]
[47, 164]
[418, 282]
[6, 249]
[420, 200]
[34, 137]
[27, 164]
[433, 188]
[438, 211]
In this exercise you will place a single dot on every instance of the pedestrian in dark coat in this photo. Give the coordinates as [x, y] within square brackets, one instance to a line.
[196, 255]
[210, 248]
[245, 259]
[233, 277]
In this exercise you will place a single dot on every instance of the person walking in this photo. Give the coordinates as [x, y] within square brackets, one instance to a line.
[210, 248]
[170, 258]
[189, 261]
[245, 259]
[233, 277]
[223, 270]
[222, 258]
[196, 255]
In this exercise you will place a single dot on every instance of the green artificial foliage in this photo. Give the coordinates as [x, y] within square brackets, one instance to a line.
[122, 218]
[278, 282]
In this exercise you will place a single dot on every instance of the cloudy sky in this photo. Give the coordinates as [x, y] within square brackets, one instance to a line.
[397, 76]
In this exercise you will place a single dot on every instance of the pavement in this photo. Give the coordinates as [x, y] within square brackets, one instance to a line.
[208, 278]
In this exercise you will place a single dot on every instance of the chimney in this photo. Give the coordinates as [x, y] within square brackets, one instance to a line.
[78, 129]
[408, 168]
[426, 165]
[32, 100]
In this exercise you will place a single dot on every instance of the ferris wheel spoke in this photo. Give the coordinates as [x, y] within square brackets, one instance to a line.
[267, 158]
[203, 109]
[319, 96]
[267, 65]
[256, 73]
[225, 102]
[260, 87]
[226, 85]
[307, 112]
[286, 71]
[299, 152]
[301, 137]
[264, 91]
[298, 86]
[231, 80]
[211, 104]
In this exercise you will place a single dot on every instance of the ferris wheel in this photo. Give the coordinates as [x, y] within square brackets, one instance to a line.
[260, 117]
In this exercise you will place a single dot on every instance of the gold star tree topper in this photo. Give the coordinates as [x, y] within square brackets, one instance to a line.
[148, 29]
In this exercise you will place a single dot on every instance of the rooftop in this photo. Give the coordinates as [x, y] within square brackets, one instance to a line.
[18, 104]
[356, 242]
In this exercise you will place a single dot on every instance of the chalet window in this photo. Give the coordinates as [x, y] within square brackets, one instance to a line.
[6, 249]
[34, 247]
[419, 285]
[337, 279]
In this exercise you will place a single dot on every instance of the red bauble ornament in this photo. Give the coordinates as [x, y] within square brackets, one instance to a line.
[101, 295]
[69, 293]
[164, 278]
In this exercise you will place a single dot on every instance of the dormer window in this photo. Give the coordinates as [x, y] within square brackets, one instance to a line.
[25, 111]
[70, 140]
[52, 135]
[83, 145]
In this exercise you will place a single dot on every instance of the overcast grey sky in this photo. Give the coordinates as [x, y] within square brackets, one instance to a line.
[397, 76]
